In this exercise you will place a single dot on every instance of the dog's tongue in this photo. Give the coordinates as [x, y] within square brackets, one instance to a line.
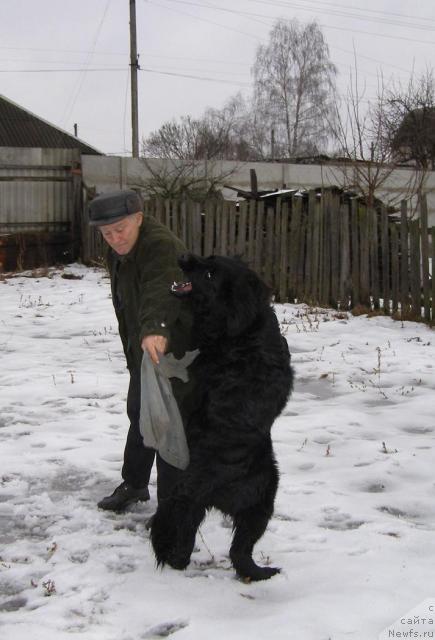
[181, 287]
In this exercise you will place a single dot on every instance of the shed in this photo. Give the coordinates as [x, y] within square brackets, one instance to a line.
[40, 189]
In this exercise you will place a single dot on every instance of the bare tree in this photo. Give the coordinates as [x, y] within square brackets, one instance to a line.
[197, 180]
[185, 158]
[294, 87]
[189, 139]
[220, 134]
[358, 128]
[363, 135]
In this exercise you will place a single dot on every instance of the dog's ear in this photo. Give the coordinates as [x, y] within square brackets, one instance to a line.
[249, 296]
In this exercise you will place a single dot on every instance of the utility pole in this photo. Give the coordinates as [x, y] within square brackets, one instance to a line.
[134, 66]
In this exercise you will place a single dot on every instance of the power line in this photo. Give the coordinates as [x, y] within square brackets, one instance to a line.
[288, 6]
[122, 69]
[345, 12]
[346, 7]
[193, 77]
[108, 53]
[119, 53]
[216, 24]
[160, 68]
[305, 7]
[62, 70]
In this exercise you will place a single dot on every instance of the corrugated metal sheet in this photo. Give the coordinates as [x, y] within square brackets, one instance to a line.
[21, 128]
[36, 189]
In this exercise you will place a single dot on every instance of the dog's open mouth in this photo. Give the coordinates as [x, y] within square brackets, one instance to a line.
[181, 288]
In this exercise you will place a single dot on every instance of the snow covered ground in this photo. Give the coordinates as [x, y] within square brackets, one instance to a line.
[354, 525]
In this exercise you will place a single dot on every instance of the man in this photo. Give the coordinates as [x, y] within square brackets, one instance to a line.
[142, 261]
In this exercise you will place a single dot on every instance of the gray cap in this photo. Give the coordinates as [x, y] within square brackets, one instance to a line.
[111, 207]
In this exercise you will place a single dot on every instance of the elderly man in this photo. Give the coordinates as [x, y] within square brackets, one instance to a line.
[142, 261]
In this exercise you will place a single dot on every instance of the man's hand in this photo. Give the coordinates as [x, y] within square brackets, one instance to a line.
[154, 345]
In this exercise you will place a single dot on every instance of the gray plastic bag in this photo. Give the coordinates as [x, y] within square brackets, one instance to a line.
[160, 421]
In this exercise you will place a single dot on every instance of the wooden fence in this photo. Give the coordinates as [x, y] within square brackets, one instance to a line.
[321, 248]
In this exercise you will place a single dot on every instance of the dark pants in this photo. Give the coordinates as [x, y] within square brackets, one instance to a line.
[138, 459]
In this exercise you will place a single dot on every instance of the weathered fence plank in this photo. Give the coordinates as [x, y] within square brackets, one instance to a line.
[209, 231]
[251, 230]
[364, 268]
[183, 221]
[307, 266]
[232, 229]
[404, 259]
[374, 256]
[385, 253]
[241, 229]
[269, 245]
[283, 267]
[259, 239]
[326, 241]
[354, 232]
[295, 231]
[222, 239]
[425, 258]
[317, 243]
[276, 245]
[335, 250]
[345, 277]
[395, 270]
[415, 266]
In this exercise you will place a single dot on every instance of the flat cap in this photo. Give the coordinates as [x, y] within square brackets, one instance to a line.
[111, 207]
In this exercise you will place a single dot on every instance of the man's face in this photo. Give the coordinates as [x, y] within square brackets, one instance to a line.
[122, 235]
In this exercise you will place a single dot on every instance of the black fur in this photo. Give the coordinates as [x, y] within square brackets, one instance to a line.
[244, 380]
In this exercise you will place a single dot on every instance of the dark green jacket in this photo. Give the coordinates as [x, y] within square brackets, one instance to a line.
[143, 302]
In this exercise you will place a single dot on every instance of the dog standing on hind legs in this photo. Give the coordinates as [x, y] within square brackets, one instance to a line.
[245, 379]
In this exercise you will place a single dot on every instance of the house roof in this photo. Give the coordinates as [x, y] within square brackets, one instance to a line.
[21, 128]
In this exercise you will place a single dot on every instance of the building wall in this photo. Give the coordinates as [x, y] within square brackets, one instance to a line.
[111, 173]
[36, 189]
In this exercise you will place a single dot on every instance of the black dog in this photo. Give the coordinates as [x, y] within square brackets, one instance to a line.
[244, 379]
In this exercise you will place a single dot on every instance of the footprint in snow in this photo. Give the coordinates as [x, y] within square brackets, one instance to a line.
[121, 565]
[14, 604]
[339, 521]
[165, 629]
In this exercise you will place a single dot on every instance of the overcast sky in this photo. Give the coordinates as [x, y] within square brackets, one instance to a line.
[68, 62]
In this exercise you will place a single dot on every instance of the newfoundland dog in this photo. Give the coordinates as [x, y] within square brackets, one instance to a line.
[244, 380]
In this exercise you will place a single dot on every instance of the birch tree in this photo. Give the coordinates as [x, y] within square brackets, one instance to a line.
[294, 88]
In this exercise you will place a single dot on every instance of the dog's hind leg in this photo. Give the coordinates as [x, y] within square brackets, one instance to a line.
[249, 525]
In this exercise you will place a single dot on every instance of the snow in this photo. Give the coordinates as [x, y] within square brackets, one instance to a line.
[353, 528]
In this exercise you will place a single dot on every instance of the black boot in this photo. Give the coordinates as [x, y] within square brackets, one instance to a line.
[123, 496]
